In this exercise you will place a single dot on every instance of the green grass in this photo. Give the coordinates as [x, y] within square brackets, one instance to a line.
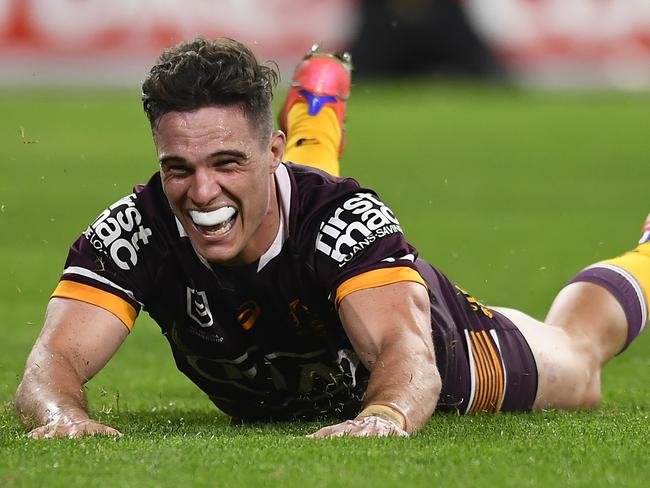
[510, 193]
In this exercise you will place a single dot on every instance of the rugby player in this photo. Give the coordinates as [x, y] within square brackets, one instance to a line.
[286, 292]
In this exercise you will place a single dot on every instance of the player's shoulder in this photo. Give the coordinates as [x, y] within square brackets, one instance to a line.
[320, 192]
[333, 211]
[127, 229]
[309, 177]
[315, 191]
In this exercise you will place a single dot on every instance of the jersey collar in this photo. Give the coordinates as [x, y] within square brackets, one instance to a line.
[283, 187]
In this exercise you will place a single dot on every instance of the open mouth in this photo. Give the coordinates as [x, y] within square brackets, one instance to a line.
[216, 222]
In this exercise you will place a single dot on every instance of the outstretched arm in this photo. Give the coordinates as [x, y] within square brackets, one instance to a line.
[390, 330]
[76, 342]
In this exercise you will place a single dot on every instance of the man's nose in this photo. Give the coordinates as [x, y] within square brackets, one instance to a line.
[205, 187]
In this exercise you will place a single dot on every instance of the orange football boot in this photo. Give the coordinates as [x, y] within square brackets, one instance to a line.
[320, 80]
[645, 231]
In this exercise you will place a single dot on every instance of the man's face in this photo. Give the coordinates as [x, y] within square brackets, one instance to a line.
[217, 172]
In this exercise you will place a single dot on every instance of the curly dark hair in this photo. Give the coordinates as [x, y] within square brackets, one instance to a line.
[201, 72]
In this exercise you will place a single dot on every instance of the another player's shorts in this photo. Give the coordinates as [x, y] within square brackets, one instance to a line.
[485, 363]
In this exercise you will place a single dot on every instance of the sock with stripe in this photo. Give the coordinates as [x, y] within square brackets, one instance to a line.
[627, 277]
[314, 140]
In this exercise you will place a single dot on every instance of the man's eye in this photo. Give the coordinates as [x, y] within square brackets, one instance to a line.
[176, 170]
[225, 165]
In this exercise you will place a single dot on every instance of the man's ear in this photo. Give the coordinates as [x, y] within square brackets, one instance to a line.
[278, 141]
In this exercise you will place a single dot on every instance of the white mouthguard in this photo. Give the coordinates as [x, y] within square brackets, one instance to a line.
[216, 217]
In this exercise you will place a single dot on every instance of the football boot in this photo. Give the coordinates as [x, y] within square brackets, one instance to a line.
[320, 80]
[645, 231]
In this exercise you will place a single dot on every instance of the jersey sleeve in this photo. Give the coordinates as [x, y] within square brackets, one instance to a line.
[359, 245]
[106, 265]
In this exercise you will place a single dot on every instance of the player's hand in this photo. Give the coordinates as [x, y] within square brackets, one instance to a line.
[73, 429]
[370, 426]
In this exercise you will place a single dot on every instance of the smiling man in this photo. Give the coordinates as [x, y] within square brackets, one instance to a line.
[288, 293]
[217, 172]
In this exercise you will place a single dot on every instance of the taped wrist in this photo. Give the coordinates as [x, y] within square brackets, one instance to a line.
[387, 411]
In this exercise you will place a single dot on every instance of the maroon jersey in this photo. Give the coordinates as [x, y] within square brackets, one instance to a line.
[264, 341]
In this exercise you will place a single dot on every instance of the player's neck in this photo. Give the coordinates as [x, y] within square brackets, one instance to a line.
[268, 230]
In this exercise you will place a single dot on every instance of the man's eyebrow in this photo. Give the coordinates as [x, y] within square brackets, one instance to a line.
[228, 152]
[171, 158]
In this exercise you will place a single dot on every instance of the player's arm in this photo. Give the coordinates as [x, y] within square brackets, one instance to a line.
[390, 329]
[77, 340]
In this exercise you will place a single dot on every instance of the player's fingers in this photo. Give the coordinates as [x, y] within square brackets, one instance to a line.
[47, 431]
[380, 427]
[329, 434]
[336, 430]
[107, 431]
[73, 430]
[364, 427]
[373, 427]
[321, 433]
[92, 429]
[111, 432]
[37, 433]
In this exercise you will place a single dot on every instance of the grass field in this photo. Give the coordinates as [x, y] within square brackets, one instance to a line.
[510, 193]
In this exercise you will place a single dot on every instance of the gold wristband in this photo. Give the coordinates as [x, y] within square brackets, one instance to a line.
[387, 411]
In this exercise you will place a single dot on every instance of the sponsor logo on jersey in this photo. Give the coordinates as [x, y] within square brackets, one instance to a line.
[301, 376]
[248, 314]
[355, 225]
[304, 320]
[474, 304]
[198, 308]
[118, 232]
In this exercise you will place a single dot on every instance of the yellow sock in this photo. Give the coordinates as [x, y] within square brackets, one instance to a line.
[313, 140]
[637, 263]
[627, 277]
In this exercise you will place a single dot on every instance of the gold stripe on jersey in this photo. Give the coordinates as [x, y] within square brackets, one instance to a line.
[488, 373]
[103, 299]
[499, 385]
[377, 277]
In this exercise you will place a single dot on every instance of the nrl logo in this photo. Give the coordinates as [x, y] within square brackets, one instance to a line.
[198, 308]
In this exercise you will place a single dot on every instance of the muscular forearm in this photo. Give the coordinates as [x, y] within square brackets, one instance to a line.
[410, 383]
[390, 330]
[402, 392]
[76, 342]
[51, 390]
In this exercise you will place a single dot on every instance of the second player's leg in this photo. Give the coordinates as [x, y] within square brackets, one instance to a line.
[591, 320]
[589, 310]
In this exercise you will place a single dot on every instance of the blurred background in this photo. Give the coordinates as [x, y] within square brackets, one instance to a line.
[551, 43]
